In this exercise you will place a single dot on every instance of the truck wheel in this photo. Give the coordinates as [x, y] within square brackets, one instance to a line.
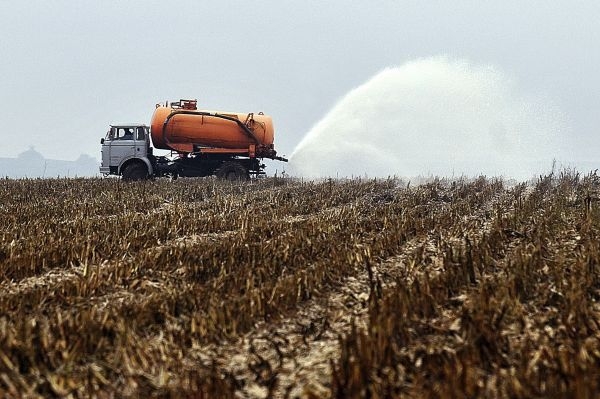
[135, 171]
[232, 171]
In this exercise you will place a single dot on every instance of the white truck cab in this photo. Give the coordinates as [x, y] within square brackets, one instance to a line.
[126, 150]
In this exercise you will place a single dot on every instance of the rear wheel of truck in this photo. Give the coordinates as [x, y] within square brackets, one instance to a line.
[232, 171]
[135, 171]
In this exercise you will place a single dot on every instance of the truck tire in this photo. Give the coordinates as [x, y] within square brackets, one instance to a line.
[232, 171]
[135, 171]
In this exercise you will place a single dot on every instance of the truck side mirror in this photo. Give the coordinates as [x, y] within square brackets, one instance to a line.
[102, 141]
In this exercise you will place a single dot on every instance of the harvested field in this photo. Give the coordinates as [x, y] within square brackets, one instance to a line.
[283, 288]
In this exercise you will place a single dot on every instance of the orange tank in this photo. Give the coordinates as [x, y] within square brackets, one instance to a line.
[183, 128]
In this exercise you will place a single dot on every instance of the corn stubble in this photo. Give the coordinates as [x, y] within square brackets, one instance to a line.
[473, 288]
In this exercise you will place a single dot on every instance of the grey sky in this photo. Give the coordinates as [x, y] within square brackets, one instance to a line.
[69, 68]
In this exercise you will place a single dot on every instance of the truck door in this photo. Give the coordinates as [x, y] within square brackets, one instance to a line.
[141, 141]
[123, 145]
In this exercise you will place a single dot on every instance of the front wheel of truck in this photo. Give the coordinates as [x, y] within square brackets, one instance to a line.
[135, 171]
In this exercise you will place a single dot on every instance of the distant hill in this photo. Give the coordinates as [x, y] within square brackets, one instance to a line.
[31, 163]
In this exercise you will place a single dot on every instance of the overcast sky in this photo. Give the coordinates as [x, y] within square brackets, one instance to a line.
[70, 68]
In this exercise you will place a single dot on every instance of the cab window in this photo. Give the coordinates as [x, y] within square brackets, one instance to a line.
[122, 133]
[141, 133]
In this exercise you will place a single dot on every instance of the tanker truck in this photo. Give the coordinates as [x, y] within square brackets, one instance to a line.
[229, 145]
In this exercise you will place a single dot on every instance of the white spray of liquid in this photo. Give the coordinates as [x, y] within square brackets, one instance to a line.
[433, 116]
